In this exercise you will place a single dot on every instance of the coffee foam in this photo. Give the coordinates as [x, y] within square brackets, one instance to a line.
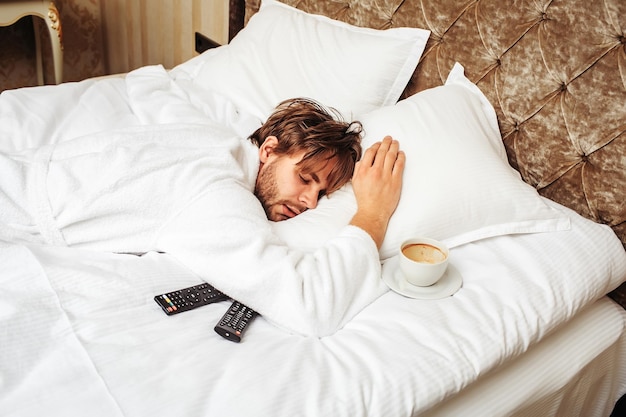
[424, 253]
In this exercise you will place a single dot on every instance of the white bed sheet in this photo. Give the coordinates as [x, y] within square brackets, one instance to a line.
[82, 335]
[576, 371]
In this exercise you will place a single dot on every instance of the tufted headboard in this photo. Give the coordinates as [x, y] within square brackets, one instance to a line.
[555, 71]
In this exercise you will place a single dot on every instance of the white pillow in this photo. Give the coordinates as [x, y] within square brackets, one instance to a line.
[458, 185]
[284, 52]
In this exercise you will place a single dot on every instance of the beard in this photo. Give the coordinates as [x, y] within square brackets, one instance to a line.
[266, 190]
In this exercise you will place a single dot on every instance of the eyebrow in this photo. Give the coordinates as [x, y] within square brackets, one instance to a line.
[312, 169]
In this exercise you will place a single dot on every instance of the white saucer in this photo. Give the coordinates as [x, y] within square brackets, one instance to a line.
[449, 283]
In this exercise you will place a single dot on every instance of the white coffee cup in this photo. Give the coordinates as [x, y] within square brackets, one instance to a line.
[423, 261]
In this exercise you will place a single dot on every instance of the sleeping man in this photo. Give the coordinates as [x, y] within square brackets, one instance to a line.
[204, 195]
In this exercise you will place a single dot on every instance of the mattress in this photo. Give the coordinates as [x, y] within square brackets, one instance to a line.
[575, 371]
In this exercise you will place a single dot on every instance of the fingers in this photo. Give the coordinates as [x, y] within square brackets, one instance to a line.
[386, 155]
[399, 163]
[383, 159]
[389, 151]
[370, 154]
[382, 153]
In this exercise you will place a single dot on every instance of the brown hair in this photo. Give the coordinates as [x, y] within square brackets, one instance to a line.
[302, 124]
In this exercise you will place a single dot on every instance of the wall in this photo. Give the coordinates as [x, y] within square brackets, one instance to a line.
[111, 36]
[143, 32]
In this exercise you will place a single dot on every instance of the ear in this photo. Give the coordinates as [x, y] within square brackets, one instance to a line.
[267, 148]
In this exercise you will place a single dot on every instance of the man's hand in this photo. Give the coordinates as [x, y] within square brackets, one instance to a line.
[377, 182]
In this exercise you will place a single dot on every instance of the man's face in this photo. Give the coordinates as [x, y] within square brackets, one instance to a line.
[283, 188]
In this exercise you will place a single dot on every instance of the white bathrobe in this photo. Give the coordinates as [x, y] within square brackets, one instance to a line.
[186, 190]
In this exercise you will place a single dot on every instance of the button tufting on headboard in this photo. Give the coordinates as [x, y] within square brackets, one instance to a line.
[555, 71]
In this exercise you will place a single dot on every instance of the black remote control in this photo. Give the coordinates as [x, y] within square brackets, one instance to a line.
[232, 325]
[189, 298]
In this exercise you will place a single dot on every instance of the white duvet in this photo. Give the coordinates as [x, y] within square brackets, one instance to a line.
[185, 189]
[32, 117]
[82, 336]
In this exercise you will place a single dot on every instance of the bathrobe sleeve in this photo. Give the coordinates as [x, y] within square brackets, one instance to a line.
[224, 237]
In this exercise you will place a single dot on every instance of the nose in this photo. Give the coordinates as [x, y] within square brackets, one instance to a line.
[309, 197]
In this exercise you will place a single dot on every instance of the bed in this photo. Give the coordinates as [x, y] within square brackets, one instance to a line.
[522, 128]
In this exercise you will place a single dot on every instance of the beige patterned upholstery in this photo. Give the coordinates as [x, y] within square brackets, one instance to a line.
[555, 70]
